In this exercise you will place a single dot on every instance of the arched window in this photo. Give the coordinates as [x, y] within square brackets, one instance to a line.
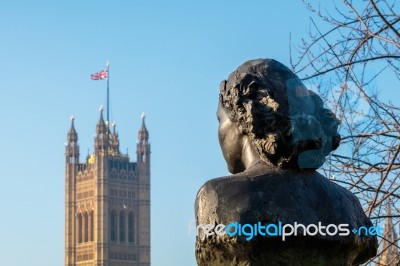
[130, 227]
[122, 226]
[79, 228]
[91, 226]
[86, 227]
[113, 223]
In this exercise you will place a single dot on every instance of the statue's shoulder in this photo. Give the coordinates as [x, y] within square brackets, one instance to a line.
[211, 186]
[312, 198]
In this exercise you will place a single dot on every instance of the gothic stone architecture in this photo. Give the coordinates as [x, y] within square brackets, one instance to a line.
[390, 252]
[107, 214]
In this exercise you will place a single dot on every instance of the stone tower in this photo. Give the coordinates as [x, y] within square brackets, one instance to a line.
[390, 253]
[107, 198]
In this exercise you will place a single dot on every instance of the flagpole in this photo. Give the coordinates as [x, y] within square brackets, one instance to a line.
[108, 92]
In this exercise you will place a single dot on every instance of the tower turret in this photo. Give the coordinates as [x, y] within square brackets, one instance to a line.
[72, 148]
[143, 193]
[390, 252]
[143, 146]
[114, 141]
[71, 166]
[102, 134]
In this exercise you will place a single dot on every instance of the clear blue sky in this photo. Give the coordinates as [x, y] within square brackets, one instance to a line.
[167, 59]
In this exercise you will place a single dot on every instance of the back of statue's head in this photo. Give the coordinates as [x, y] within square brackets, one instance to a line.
[286, 122]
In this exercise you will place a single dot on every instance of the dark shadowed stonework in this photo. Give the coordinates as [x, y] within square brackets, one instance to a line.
[274, 133]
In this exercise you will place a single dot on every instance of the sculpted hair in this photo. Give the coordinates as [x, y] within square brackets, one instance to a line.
[285, 121]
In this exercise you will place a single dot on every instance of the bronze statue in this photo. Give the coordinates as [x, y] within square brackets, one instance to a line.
[274, 133]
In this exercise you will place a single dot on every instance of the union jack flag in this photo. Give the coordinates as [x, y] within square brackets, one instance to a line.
[100, 75]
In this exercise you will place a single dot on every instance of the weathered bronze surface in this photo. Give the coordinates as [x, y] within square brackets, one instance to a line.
[274, 133]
